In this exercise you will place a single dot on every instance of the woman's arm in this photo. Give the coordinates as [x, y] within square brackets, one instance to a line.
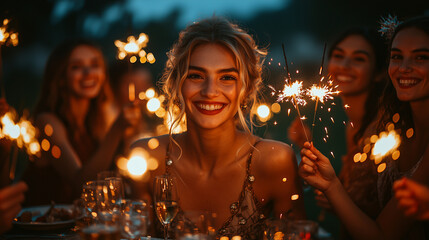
[69, 164]
[316, 169]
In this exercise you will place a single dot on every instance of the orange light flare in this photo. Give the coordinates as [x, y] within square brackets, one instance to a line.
[263, 112]
[385, 144]
[23, 133]
[136, 165]
[8, 37]
[133, 48]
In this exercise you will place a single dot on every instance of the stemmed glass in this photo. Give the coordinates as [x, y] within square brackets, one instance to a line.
[166, 200]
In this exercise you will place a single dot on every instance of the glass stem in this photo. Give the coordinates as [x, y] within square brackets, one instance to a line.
[166, 231]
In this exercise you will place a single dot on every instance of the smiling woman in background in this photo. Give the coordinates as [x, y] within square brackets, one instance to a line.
[407, 94]
[80, 126]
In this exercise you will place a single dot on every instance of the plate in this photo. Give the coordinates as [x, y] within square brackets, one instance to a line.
[38, 211]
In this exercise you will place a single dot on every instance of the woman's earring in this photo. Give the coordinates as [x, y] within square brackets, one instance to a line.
[243, 106]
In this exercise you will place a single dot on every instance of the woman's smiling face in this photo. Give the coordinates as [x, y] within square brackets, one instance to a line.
[212, 86]
[409, 64]
[352, 65]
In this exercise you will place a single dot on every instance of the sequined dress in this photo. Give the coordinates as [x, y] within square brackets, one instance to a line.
[247, 218]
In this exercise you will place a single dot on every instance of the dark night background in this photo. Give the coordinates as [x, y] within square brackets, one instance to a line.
[302, 25]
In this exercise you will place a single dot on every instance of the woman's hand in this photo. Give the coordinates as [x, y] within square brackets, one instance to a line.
[11, 198]
[413, 198]
[315, 168]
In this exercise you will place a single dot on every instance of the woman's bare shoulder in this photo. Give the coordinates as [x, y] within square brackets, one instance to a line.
[271, 155]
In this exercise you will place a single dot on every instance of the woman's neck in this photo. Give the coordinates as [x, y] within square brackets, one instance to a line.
[79, 109]
[211, 148]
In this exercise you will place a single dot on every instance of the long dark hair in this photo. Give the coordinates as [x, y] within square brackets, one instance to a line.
[390, 101]
[54, 96]
[376, 87]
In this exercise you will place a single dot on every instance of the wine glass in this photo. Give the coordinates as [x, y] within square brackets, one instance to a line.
[134, 220]
[166, 200]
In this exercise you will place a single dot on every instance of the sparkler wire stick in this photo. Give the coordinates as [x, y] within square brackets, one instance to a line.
[317, 98]
[13, 164]
[295, 103]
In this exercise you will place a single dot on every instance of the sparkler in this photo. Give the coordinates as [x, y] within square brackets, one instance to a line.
[6, 38]
[23, 133]
[321, 92]
[133, 48]
[294, 91]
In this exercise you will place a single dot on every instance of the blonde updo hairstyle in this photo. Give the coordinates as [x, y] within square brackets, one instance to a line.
[248, 56]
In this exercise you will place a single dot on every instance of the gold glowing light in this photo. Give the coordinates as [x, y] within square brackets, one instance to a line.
[276, 108]
[322, 93]
[136, 165]
[134, 48]
[153, 104]
[7, 37]
[23, 133]
[294, 197]
[150, 93]
[292, 91]
[386, 144]
[263, 112]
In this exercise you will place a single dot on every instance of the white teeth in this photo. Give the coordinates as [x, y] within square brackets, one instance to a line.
[343, 78]
[408, 82]
[210, 107]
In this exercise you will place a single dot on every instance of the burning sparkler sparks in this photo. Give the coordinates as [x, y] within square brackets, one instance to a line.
[387, 143]
[7, 38]
[133, 48]
[22, 132]
[292, 92]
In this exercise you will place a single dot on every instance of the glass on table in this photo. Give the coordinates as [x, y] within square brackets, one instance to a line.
[196, 225]
[305, 229]
[134, 219]
[99, 231]
[166, 200]
[89, 199]
[108, 206]
[116, 184]
[278, 229]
